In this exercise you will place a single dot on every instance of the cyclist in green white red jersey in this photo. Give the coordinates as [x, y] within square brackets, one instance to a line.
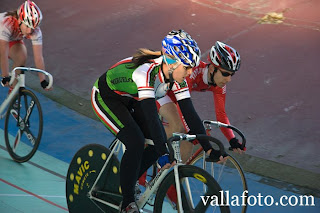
[124, 100]
[14, 27]
[224, 62]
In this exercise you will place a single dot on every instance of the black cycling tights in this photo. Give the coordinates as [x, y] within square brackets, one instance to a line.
[135, 161]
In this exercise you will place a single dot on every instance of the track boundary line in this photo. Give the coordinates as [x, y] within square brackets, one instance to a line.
[30, 193]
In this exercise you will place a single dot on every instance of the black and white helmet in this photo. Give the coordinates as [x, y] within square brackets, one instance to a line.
[224, 56]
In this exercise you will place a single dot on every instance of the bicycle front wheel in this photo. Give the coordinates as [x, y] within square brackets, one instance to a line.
[229, 176]
[23, 126]
[194, 198]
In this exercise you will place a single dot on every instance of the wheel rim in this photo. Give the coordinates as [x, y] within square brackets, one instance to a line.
[23, 127]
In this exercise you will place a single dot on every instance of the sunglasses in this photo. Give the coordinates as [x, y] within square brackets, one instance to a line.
[226, 74]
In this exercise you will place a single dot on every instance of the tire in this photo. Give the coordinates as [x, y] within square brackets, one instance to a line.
[82, 174]
[227, 175]
[23, 138]
[196, 177]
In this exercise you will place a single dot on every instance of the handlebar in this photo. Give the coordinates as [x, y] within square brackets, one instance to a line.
[13, 73]
[187, 137]
[219, 124]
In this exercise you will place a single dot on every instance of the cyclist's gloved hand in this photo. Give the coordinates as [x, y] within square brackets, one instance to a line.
[215, 156]
[5, 80]
[235, 144]
[44, 84]
[163, 160]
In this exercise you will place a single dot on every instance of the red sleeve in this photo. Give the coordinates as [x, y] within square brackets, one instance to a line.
[221, 115]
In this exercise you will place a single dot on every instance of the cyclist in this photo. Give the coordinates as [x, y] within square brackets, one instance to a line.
[14, 27]
[213, 76]
[124, 100]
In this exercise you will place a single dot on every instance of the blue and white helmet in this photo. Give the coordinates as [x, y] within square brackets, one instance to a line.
[182, 47]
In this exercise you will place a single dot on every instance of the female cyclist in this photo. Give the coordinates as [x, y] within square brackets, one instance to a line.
[14, 27]
[213, 76]
[124, 100]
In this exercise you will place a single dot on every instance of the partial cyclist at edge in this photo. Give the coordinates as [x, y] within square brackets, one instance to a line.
[224, 62]
[124, 100]
[15, 26]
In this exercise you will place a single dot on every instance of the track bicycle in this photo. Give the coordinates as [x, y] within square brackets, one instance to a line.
[229, 174]
[23, 117]
[93, 182]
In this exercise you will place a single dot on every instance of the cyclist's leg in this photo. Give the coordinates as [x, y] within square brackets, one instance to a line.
[18, 53]
[170, 112]
[149, 154]
[113, 111]
[133, 139]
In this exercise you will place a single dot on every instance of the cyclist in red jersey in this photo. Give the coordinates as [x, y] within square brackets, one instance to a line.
[14, 27]
[213, 76]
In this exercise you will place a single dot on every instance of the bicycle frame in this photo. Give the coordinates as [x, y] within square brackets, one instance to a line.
[152, 186]
[20, 84]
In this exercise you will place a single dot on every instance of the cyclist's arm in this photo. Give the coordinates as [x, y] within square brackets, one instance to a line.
[37, 47]
[155, 127]
[193, 121]
[4, 53]
[143, 80]
[221, 115]
[39, 60]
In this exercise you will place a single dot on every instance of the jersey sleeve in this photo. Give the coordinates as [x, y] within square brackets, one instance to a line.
[5, 32]
[144, 81]
[219, 96]
[181, 90]
[36, 37]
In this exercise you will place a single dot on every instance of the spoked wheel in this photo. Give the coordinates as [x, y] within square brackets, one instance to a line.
[194, 198]
[23, 126]
[229, 176]
[83, 171]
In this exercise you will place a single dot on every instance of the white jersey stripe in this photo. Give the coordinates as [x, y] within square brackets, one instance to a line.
[100, 113]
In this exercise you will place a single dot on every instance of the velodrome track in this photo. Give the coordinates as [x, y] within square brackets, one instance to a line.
[39, 185]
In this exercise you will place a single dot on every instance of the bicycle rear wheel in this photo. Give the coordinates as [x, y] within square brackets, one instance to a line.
[194, 198]
[23, 126]
[82, 174]
[229, 175]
